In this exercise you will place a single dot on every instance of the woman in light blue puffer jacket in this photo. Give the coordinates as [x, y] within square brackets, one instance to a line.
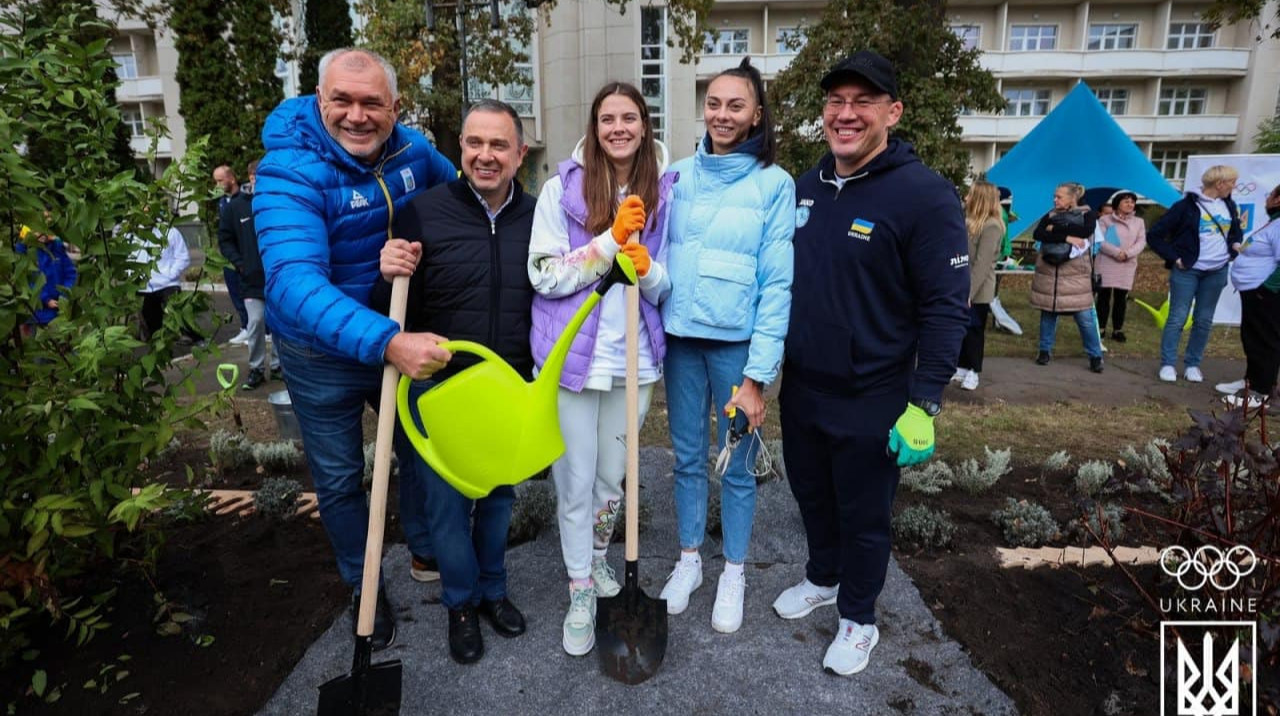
[730, 261]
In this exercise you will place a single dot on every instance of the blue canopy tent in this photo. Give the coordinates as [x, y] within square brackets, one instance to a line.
[1078, 141]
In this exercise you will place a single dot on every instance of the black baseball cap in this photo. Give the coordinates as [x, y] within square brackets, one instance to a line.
[865, 65]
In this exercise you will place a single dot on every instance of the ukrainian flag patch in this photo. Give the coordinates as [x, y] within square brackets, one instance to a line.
[861, 229]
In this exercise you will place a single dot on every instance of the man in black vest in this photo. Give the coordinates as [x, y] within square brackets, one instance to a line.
[466, 244]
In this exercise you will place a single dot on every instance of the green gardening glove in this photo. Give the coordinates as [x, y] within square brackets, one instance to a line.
[912, 437]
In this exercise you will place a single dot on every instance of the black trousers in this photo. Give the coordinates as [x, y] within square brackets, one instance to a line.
[1106, 307]
[844, 482]
[972, 348]
[153, 312]
[1260, 335]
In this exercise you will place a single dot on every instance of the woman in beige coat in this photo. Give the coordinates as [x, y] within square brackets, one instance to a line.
[1063, 282]
[1124, 236]
[983, 219]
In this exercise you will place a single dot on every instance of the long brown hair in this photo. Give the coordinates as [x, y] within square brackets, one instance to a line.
[981, 204]
[600, 185]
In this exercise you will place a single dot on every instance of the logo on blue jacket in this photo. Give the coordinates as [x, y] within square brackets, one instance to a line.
[802, 216]
[861, 229]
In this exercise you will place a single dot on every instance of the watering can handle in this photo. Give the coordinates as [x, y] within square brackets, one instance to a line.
[404, 407]
[470, 347]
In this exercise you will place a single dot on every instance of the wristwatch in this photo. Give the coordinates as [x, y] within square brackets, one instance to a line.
[930, 407]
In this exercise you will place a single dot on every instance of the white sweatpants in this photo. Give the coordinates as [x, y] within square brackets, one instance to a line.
[588, 477]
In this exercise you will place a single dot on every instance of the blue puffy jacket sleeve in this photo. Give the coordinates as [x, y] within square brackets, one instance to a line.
[775, 266]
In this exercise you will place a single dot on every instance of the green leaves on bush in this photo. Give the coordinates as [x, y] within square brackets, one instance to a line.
[277, 499]
[923, 528]
[1026, 524]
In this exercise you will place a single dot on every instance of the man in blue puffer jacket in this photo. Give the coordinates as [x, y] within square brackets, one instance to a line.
[338, 167]
[878, 312]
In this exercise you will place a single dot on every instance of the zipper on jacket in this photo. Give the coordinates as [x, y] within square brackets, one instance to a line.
[386, 193]
[495, 286]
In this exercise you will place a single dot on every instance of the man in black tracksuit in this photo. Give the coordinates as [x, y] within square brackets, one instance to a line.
[878, 311]
[467, 246]
[238, 241]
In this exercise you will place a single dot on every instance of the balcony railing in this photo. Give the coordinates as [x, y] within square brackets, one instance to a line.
[769, 65]
[1200, 127]
[140, 145]
[1212, 62]
[140, 89]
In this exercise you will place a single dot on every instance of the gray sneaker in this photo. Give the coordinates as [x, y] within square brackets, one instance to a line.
[580, 622]
[604, 577]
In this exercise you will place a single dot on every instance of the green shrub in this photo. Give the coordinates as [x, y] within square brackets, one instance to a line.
[1112, 521]
[1091, 477]
[229, 450]
[277, 499]
[1057, 461]
[83, 403]
[977, 479]
[1150, 463]
[1026, 524]
[281, 456]
[533, 511]
[368, 464]
[923, 528]
[931, 479]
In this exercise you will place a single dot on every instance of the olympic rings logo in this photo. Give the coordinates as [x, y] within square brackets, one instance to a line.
[1193, 571]
[1243, 189]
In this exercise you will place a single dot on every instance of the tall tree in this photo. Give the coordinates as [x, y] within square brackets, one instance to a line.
[328, 27]
[1225, 12]
[1268, 136]
[937, 77]
[256, 42]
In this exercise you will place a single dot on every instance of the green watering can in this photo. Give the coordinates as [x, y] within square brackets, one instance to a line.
[487, 426]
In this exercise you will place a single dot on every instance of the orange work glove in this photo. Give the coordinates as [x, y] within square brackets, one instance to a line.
[639, 256]
[629, 220]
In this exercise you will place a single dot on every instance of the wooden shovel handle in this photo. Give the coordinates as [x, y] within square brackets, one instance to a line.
[381, 471]
[633, 418]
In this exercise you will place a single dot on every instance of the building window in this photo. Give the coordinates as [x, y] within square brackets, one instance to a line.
[653, 66]
[970, 35]
[1026, 102]
[1172, 163]
[790, 40]
[134, 121]
[1028, 38]
[1115, 101]
[1189, 35]
[727, 42]
[1182, 101]
[126, 65]
[1113, 37]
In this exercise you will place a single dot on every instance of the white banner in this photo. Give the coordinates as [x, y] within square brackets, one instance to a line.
[1259, 173]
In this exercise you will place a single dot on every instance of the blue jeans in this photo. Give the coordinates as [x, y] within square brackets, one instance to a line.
[469, 536]
[1185, 286]
[231, 278]
[700, 373]
[329, 395]
[1086, 321]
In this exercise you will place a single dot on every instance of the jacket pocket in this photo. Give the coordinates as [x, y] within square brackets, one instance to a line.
[724, 295]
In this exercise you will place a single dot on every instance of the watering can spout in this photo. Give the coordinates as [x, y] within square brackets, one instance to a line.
[622, 272]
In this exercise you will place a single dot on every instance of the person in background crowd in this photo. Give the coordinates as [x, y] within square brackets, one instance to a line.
[1256, 275]
[239, 243]
[226, 180]
[730, 257]
[165, 279]
[877, 317]
[1063, 282]
[1272, 205]
[59, 271]
[1124, 237]
[1197, 238]
[984, 222]
[338, 168]
[611, 188]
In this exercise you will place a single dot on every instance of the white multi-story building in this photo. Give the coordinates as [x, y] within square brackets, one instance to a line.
[1176, 85]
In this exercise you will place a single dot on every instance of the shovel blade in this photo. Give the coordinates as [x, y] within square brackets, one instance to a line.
[372, 691]
[631, 632]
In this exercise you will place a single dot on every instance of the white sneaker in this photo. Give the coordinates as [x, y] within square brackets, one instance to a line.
[960, 375]
[801, 599]
[1103, 346]
[1254, 400]
[1193, 375]
[240, 339]
[1168, 373]
[603, 576]
[726, 616]
[850, 651]
[684, 578]
[268, 338]
[580, 623]
[970, 381]
[1231, 388]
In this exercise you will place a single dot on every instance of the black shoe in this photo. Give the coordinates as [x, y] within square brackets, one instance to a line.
[1095, 364]
[1043, 358]
[466, 646]
[503, 615]
[384, 621]
[1118, 337]
[256, 380]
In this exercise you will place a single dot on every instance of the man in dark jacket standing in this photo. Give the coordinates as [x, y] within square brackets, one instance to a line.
[338, 169]
[878, 312]
[239, 244]
[466, 246]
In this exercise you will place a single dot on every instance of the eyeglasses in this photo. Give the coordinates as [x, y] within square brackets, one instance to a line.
[835, 103]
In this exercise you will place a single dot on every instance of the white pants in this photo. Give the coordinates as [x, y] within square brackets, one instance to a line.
[588, 477]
